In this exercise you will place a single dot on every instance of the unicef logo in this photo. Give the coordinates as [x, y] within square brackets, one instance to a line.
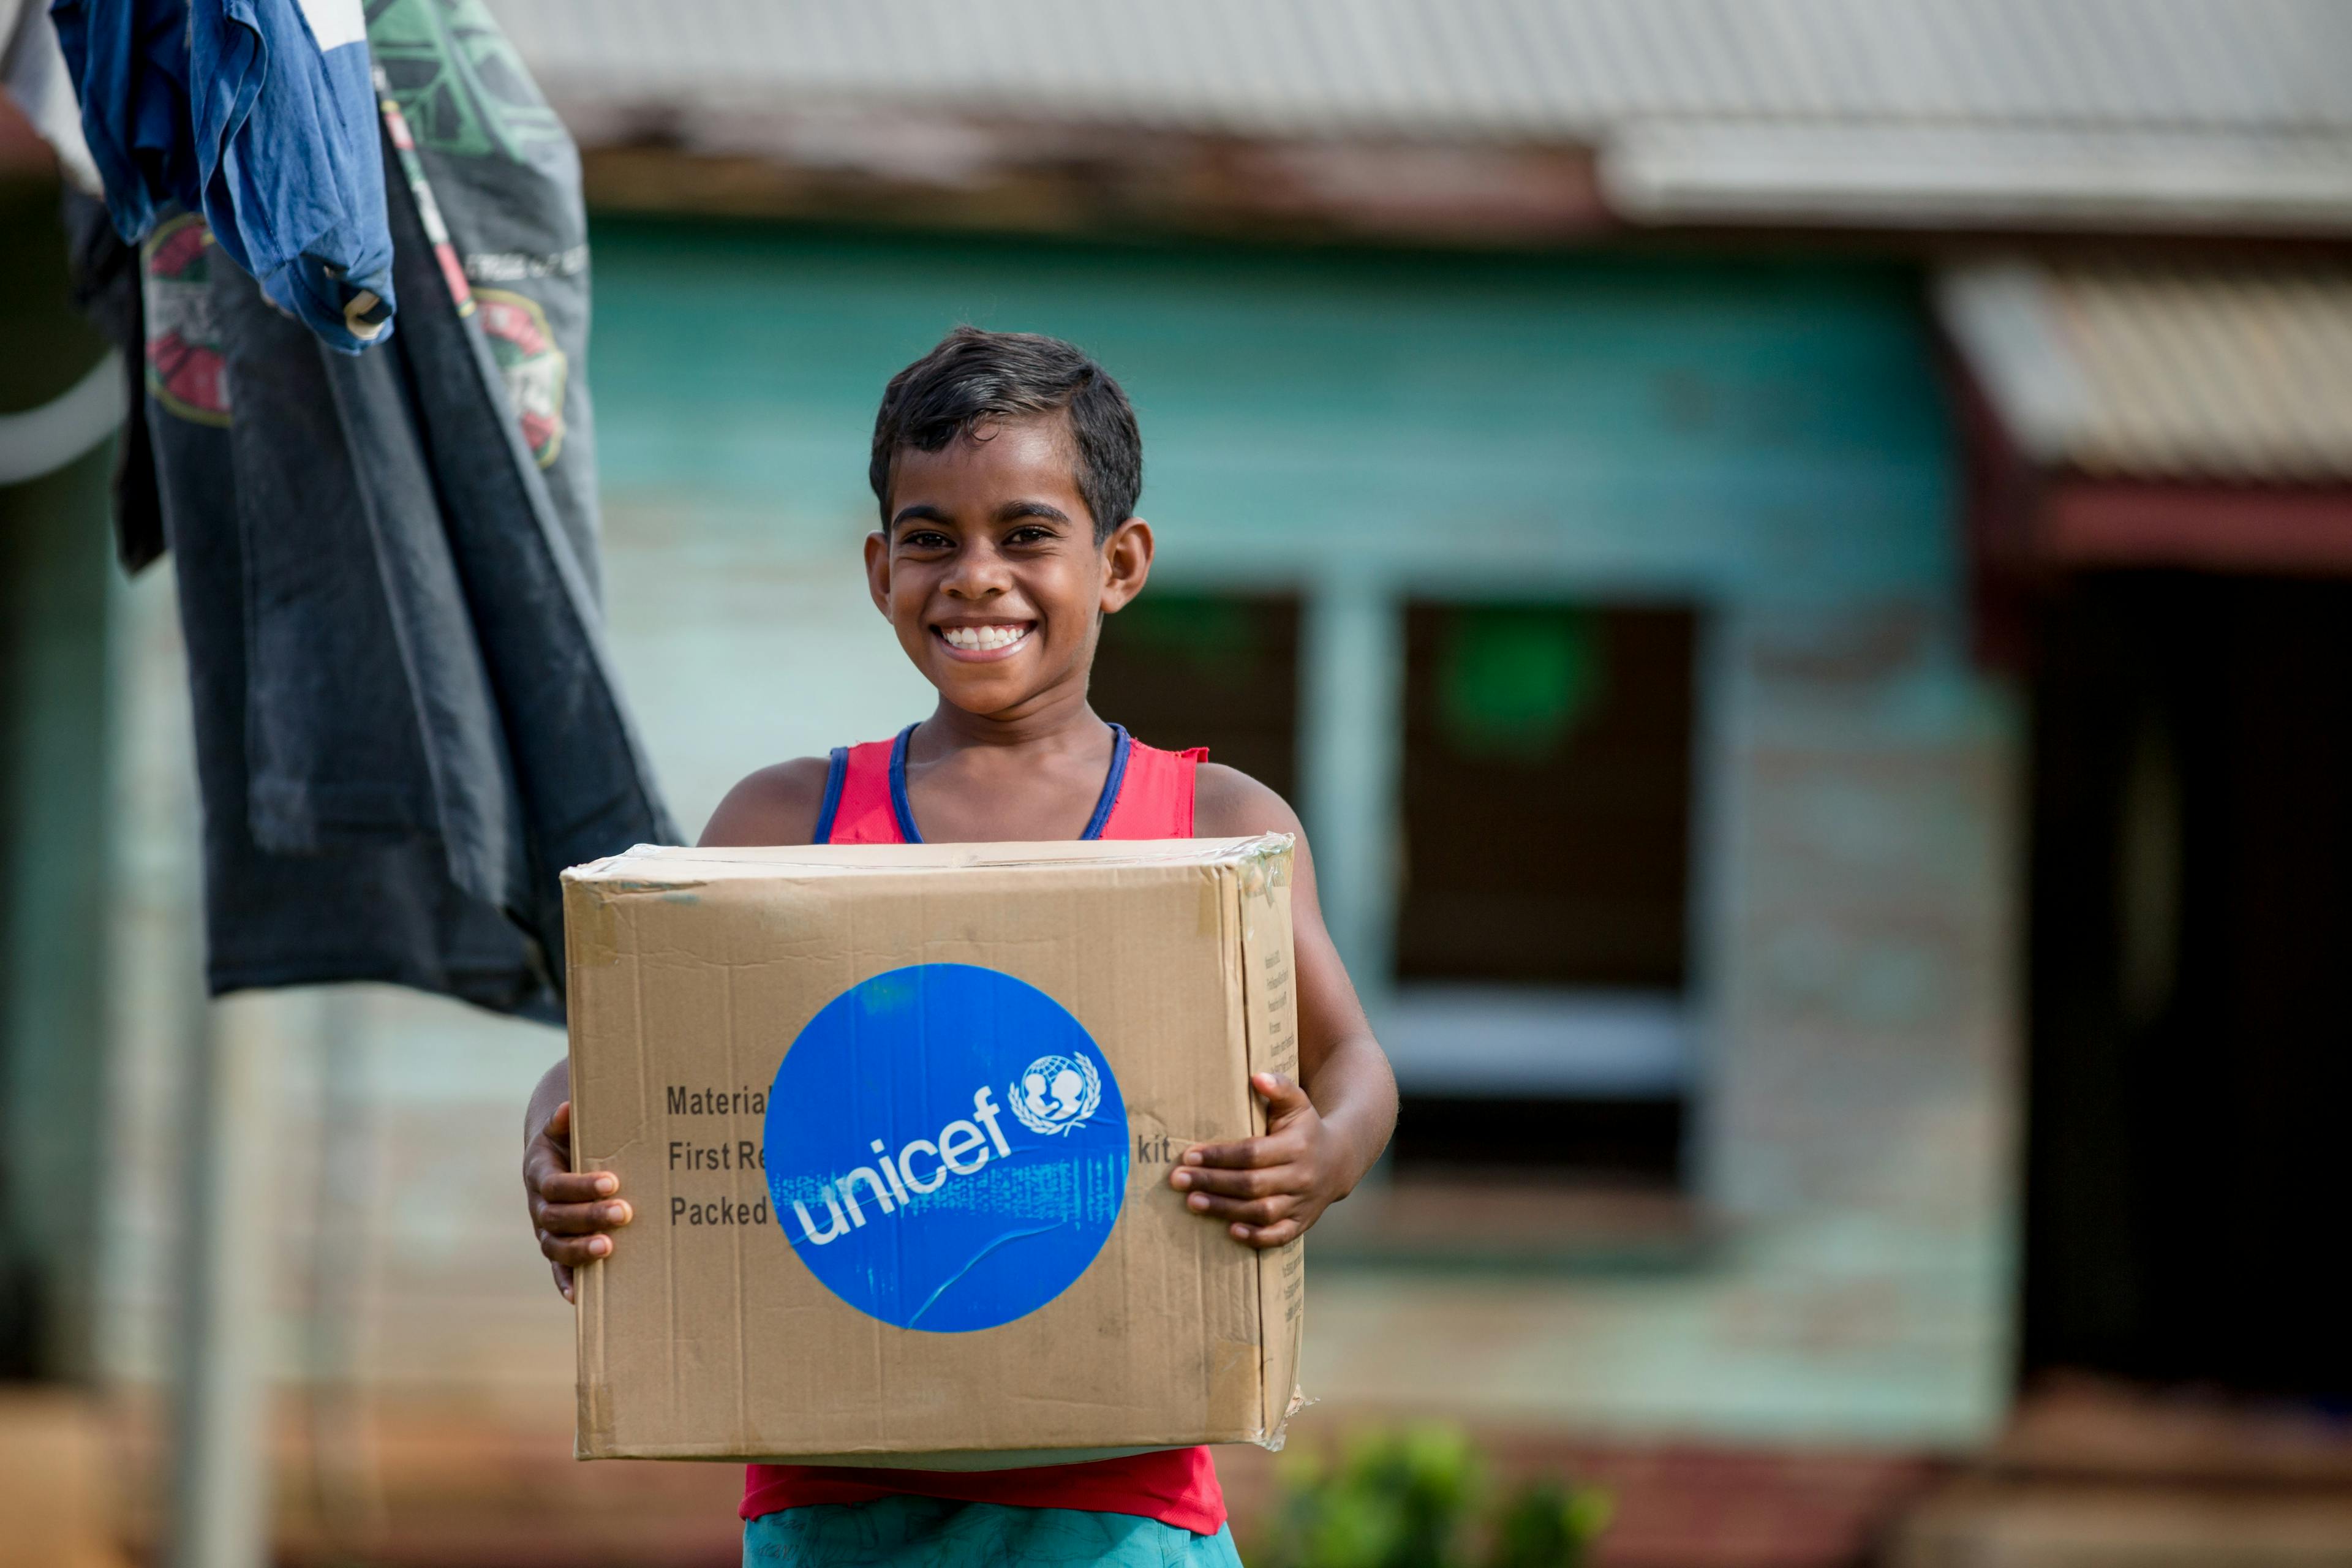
[1054, 1094]
[908, 1187]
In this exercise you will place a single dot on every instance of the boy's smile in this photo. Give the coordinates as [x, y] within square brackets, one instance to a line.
[984, 639]
[990, 572]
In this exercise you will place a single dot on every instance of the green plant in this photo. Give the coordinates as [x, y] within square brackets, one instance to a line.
[1420, 1498]
[1547, 1524]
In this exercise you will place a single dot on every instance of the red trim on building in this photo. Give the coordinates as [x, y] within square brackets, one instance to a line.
[2213, 528]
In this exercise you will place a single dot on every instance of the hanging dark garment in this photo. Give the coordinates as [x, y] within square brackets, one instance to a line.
[406, 723]
[106, 289]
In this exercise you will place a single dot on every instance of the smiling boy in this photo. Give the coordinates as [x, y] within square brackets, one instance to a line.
[1007, 467]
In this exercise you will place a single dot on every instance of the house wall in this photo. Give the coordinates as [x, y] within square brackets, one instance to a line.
[1762, 438]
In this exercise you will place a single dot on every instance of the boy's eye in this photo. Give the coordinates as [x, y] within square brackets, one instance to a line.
[1030, 533]
[924, 538]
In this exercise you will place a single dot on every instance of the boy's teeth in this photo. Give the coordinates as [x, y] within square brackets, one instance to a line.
[981, 639]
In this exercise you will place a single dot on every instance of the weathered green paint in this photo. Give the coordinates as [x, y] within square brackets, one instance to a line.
[1352, 762]
[1750, 428]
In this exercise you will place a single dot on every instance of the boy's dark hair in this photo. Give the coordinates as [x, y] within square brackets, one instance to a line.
[974, 375]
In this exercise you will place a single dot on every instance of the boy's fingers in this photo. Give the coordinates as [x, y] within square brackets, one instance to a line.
[574, 1186]
[1254, 1182]
[1240, 1155]
[552, 1141]
[562, 1280]
[583, 1219]
[1281, 1092]
[574, 1251]
[1249, 1210]
[1273, 1235]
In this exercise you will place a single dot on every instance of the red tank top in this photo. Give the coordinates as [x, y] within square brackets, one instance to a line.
[1147, 794]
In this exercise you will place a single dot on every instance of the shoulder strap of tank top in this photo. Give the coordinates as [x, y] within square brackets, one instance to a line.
[861, 803]
[1114, 778]
[834, 776]
[1154, 795]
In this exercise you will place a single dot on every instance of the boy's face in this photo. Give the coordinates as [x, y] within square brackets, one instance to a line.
[989, 570]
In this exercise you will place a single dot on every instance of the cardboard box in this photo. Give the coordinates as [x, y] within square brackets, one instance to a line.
[898, 1122]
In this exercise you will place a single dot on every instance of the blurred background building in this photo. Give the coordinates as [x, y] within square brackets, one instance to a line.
[1793, 557]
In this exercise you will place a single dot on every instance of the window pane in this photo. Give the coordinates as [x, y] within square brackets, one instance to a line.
[1537, 1020]
[1547, 795]
[1219, 670]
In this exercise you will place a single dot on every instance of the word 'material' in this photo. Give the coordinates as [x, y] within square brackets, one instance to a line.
[697, 1099]
[960, 1150]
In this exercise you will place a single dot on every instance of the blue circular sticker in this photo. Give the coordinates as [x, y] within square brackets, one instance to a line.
[946, 1148]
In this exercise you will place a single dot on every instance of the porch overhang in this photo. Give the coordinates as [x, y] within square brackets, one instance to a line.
[2127, 415]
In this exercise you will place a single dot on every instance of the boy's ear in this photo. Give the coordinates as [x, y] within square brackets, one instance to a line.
[1128, 553]
[878, 570]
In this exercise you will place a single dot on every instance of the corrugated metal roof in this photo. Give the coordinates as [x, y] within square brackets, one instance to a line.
[2159, 110]
[2133, 372]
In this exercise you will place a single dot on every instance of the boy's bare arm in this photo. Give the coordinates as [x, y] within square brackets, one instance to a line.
[1324, 1132]
[574, 1214]
[775, 805]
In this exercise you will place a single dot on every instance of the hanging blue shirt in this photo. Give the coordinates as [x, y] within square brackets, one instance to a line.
[129, 65]
[262, 115]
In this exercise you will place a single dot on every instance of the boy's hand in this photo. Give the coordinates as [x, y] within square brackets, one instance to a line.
[571, 1211]
[1269, 1189]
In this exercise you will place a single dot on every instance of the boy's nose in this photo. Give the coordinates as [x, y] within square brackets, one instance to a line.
[978, 574]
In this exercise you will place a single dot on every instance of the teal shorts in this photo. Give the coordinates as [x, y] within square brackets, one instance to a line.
[937, 1532]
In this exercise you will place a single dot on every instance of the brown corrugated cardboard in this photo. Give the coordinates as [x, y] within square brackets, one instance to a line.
[1025, 1037]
